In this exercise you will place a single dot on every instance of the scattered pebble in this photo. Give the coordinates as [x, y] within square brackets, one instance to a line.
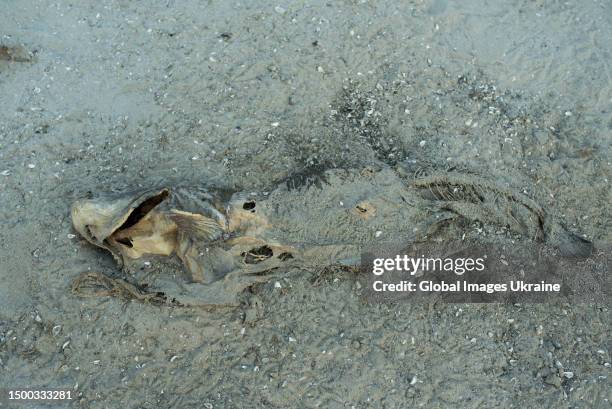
[5, 173]
[277, 285]
[31, 165]
[71, 236]
[279, 10]
[422, 143]
[553, 380]
[378, 233]
[568, 374]
[275, 124]
[56, 330]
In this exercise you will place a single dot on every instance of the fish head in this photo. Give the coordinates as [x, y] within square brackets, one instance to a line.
[98, 219]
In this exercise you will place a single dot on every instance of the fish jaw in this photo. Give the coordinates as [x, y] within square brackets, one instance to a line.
[98, 219]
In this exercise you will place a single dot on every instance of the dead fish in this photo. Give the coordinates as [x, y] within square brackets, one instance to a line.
[156, 222]
[228, 241]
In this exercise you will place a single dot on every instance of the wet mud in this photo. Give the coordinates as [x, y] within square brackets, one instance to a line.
[346, 123]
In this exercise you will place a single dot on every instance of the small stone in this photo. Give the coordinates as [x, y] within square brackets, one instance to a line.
[31, 165]
[275, 124]
[568, 374]
[279, 10]
[277, 285]
[553, 380]
[291, 339]
[378, 233]
[5, 173]
[56, 330]
[71, 236]
[422, 143]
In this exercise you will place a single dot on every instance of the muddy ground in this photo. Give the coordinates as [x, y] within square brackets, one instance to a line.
[110, 95]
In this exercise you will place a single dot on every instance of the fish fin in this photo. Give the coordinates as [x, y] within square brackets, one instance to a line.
[196, 226]
[188, 253]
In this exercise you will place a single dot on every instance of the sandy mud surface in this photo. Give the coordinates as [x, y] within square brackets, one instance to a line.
[280, 100]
